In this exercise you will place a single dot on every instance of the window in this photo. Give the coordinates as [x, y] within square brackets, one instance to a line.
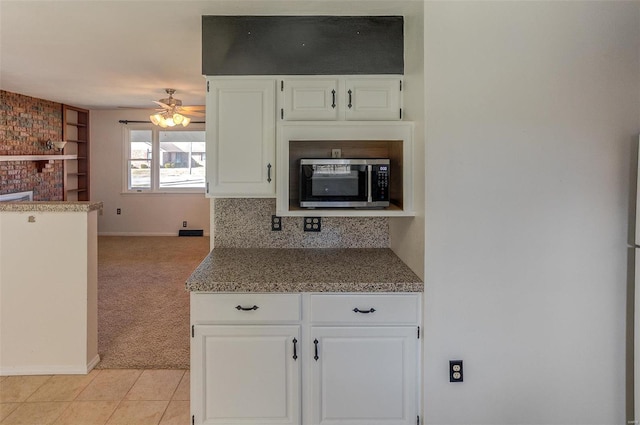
[163, 160]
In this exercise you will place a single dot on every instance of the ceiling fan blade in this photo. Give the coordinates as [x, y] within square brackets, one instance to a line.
[164, 105]
[131, 107]
[194, 114]
[193, 108]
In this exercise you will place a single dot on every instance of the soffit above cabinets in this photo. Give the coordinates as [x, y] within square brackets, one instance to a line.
[302, 45]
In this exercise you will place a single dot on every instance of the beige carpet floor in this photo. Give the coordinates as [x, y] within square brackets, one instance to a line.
[143, 307]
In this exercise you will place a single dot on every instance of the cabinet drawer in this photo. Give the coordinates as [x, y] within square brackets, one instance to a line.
[363, 309]
[244, 308]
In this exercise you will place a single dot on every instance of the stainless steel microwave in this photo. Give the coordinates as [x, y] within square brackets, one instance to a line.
[344, 183]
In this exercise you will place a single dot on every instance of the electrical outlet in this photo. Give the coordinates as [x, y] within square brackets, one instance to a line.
[118, 211]
[336, 153]
[184, 223]
[312, 224]
[276, 223]
[455, 371]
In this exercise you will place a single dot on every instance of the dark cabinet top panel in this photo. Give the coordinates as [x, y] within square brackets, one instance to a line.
[302, 45]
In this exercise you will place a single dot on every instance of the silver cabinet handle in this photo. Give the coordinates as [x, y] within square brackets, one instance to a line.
[269, 173]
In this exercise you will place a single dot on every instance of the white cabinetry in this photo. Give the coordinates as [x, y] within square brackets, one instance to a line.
[373, 99]
[364, 374]
[245, 364]
[309, 99]
[365, 350]
[246, 374]
[240, 137]
[376, 98]
[342, 359]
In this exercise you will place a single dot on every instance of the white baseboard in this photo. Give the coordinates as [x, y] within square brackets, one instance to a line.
[49, 370]
[93, 363]
[138, 234]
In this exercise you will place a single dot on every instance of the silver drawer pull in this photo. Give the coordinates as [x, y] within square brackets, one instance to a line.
[240, 308]
[357, 310]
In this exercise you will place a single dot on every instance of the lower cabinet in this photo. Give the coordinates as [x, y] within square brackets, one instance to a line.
[313, 359]
[247, 374]
[363, 374]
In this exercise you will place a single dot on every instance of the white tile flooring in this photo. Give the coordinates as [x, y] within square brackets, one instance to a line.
[102, 397]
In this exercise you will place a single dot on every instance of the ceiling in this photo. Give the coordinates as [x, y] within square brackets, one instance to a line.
[107, 54]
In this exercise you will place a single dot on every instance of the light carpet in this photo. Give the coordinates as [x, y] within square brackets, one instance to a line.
[143, 307]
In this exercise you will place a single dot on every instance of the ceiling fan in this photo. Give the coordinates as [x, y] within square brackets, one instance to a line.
[172, 113]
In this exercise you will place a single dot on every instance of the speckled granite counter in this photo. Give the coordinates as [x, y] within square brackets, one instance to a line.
[303, 270]
[59, 206]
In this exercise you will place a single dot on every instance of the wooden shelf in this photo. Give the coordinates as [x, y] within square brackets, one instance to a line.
[75, 130]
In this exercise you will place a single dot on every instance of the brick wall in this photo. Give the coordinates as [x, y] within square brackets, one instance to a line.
[25, 124]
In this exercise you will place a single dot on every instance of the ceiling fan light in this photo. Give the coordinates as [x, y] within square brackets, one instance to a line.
[177, 118]
[169, 115]
[155, 119]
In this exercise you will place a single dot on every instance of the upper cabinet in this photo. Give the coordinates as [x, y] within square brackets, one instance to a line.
[251, 120]
[309, 99]
[341, 98]
[240, 129]
[375, 98]
[75, 131]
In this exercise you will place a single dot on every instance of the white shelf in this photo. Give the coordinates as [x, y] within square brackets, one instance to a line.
[393, 211]
[6, 158]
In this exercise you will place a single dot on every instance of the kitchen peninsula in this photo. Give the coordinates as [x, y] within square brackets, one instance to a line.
[48, 282]
[278, 333]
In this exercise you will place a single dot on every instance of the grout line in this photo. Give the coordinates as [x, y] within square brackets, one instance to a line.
[119, 401]
[34, 391]
[123, 398]
[114, 411]
[164, 412]
[177, 386]
[134, 384]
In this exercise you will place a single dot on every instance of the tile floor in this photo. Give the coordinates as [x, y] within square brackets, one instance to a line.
[102, 397]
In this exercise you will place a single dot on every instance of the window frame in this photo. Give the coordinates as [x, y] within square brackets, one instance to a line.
[155, 160]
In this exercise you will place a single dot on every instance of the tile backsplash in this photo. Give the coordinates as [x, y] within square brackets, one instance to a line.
[246, 223]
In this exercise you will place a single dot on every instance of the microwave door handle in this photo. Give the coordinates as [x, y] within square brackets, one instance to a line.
[369, 195]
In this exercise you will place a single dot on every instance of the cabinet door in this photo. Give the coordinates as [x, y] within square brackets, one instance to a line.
[363, 375]
[309, 99]
[373, 99]
[241, 137]
[245, 375]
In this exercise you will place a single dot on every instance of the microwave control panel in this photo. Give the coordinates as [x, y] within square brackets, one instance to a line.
[381, 189]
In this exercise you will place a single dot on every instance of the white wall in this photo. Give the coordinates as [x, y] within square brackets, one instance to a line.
[407, 234]
[48, 282]
[532, 109]
[142, 214]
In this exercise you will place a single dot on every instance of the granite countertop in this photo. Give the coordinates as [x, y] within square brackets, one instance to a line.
[53, 206]
[303, 270]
